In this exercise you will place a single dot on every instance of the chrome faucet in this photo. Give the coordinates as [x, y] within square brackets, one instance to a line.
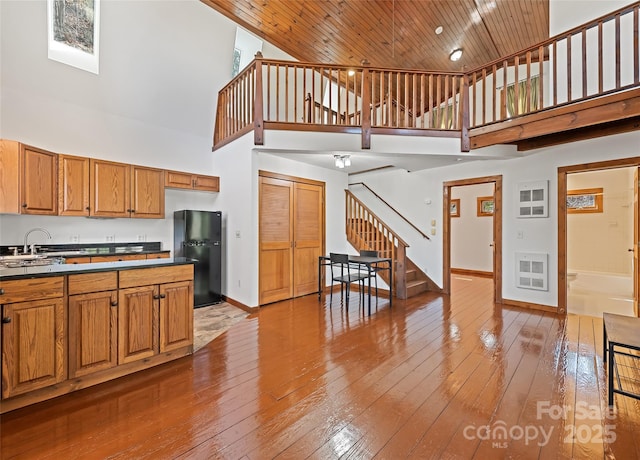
[26, 238]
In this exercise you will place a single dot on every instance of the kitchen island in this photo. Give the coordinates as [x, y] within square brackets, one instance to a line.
[66, 327]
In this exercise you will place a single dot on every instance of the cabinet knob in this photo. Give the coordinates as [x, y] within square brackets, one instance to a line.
[1, 291]
[24, 205]
[162, 296]
[88, 208]
[156, 296]
[6, 320]
[114, 303]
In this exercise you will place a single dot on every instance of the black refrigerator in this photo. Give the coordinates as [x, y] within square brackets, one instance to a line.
[197, 235]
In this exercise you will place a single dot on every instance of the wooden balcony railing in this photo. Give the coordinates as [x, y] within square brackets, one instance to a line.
[593, 60]
[365, 230]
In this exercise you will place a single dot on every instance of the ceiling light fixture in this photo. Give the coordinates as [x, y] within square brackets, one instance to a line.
[456, 54]
[351, 72]
[439, 30]
[342, 161]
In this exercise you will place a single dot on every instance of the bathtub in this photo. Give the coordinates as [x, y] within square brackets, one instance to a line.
[592, 293]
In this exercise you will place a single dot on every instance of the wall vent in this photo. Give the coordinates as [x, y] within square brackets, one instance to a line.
[532, 270]
[533, 199]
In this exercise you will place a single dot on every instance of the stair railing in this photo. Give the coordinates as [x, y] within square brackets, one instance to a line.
[365, 230]
[423, 234]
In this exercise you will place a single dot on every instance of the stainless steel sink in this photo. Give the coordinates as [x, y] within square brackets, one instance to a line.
[28, 261]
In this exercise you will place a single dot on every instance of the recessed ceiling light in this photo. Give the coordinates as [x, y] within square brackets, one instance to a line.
[351, 73]
[456, 54]
[439, 30]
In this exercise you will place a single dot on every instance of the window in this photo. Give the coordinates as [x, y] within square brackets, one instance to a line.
[521, 103]
[73, 32]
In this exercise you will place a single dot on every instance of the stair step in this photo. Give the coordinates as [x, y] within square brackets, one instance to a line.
[416, 287]
[411, 275]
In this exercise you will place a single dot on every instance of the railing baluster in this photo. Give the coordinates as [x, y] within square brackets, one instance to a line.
[569, 74]
[617, 47]
[584, 62]
[636, 47]
[540, 77]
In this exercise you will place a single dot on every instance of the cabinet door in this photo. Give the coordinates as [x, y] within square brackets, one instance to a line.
[147, 193]
[137, 323]
[93, 332]
[33, 346]
[176, 315]
[73, 186]
[110, 192]
[177, 179]
[207, 183]
[39, 189]
[9, 177]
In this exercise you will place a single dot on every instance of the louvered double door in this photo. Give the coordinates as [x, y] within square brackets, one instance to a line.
[291, 238]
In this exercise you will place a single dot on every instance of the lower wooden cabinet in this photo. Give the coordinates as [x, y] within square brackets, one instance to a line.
[137, 323]
[61, 334]
[93, 320]
[176, 315]
[33, 345]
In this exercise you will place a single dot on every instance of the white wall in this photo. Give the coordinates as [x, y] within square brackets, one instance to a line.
[538, 234]
[471, 234]
[599, 242]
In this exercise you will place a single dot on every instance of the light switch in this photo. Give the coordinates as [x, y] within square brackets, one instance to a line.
[433, 222]
[433, 231]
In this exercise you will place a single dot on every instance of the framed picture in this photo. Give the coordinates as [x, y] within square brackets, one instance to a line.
[485, 206]
[454, 207]
[73, 30]
[584, 200]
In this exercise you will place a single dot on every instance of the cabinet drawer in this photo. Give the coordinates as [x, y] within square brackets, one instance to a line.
[31, 289]
[78, 260]
[118, 258]
[93, 282]
[155, 275]
[159, 255]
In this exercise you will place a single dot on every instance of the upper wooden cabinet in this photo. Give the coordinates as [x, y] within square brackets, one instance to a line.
[122, 190]
[28, 179]
[73, 186]
[177, 179]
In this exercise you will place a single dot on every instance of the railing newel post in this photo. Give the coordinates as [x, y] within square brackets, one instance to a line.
[365, 119]
[258, 113]
[465, 143]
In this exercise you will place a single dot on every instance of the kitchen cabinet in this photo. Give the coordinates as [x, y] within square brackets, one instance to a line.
[159, 255]
[33, 334]
[154, 318]
[73, 186]
[93, 322]
[184, 180]
[28, 179]
[118, 258]
[122, 190]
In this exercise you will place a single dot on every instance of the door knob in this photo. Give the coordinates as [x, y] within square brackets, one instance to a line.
[630, 250]
[6, 320]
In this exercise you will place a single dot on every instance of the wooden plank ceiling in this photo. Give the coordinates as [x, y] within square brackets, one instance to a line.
[393, 33]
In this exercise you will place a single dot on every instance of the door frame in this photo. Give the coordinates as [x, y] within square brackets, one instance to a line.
[497, 231]
[562, 217]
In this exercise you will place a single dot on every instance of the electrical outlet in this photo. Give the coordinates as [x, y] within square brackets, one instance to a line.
[237, 233]
[142, 238]
[74, 238]
[111, 238]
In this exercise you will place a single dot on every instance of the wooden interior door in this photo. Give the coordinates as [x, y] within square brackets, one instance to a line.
[308, 230]
[275, 240]
[636, 237]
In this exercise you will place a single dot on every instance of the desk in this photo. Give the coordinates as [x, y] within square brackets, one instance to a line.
[379, 263]
[624, 332]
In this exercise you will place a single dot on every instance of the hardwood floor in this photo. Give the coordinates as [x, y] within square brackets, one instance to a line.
[435, 377]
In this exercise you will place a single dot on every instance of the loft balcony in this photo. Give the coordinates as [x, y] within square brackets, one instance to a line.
[579, 84]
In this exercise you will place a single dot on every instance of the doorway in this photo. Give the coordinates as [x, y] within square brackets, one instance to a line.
[291, 236]
[598, 238]
[485, 204]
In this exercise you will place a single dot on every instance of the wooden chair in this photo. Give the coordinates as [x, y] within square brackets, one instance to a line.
[345, 273]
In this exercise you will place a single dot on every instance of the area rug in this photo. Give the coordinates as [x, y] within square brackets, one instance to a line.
[209, 322]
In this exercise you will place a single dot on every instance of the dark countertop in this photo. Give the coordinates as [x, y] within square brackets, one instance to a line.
[94, 249]
[7, 274]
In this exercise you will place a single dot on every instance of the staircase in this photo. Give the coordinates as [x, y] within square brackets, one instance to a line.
[366, 231]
